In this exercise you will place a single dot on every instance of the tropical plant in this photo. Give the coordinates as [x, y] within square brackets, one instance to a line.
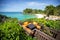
[27, 10]
[47, 23]
[49, 10]
[11, 30]
[57, 10]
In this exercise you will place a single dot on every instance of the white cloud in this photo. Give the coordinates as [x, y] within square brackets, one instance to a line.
[22, 6]
[36, 4]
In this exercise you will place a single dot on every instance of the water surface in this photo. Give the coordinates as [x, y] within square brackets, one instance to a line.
[18, 15]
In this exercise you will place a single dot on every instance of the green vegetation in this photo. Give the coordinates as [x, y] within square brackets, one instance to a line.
[34, 11]
[3, 18]
[49, 10]
[52, 10]
[47, 23]
[10, 30]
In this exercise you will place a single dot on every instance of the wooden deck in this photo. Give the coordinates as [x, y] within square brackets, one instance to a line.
[42, 36]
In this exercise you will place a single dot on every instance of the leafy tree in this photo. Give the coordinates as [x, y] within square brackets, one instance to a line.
[27, 10]
[49, 10]
[34, 11]
[10, 30]
[57, 10]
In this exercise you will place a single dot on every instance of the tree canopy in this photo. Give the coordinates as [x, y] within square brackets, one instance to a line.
[49, 10]
[34, 11]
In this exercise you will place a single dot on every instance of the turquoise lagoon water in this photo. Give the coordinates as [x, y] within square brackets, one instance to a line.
[18, 15]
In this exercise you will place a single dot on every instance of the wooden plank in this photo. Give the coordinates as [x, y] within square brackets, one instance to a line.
[42, 35]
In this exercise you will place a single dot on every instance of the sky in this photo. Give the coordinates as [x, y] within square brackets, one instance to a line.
[20, 5]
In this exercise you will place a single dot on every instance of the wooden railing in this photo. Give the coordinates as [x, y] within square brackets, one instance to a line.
[42, 36]
[56, 34]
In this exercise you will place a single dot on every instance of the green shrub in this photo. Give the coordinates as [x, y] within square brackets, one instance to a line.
[49, 23]
[10, 30]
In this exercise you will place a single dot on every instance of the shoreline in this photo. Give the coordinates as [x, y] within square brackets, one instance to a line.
[40, 15]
